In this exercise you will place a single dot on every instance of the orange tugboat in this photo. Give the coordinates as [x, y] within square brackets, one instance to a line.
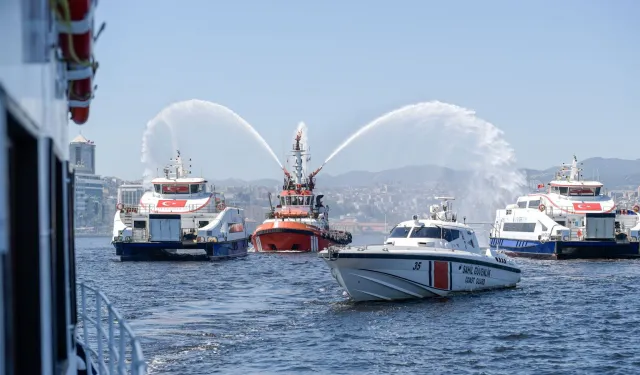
[299, 222]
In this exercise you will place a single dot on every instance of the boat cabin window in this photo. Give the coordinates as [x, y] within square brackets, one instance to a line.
[175, 189]
[584, 191]
[449, 234]
[197, 188]
[519, 227]
[534, 204]
[426, 232]
[399, 232]
[296, 200]
[522, 204]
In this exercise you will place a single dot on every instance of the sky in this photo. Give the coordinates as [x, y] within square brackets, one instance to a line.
[557, 77]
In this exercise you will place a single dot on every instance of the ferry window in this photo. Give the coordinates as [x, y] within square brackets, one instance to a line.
[193, 188]
[294, 200]
[307, 200]
[563, 190]
[561, 222]
[426, 232]
[139, 224]
[450, 234]
[581, 191]
[519, 227]
[282, 201]
[175, 189]
[157, 188]
[534, 204]
[522, 204]
[399, 232]
[288, 200]
[597, 191]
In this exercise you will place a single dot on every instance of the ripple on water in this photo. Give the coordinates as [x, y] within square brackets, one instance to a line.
[272, 313]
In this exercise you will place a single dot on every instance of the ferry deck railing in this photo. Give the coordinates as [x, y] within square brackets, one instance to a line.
[188, 209]
[107, 339]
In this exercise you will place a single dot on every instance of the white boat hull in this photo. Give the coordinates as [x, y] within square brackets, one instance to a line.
[385, 275]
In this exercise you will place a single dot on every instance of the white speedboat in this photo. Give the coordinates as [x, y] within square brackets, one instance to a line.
[421, 258]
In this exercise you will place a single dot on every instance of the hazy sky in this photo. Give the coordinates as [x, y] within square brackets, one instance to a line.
[558, 77]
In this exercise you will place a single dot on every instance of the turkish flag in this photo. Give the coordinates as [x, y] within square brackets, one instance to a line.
[171, 203]
[587, 207]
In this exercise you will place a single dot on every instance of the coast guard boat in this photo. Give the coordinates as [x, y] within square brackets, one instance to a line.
[421, 258]
[50, 321]
[180, 218]
[571, 219]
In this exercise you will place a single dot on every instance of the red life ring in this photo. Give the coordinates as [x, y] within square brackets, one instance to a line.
[580, 233]
[119, 206]
[76, 37]
[542, 207]
[636, 208]
[220, 207]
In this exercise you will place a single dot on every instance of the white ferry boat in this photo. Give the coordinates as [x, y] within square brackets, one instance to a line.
[180, 218]
[571, 219]
[50, 322]
[421, 258]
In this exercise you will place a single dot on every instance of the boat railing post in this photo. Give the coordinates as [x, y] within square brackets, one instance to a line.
[85, 340]
[99, 331]
[122, 370]
[111, 340]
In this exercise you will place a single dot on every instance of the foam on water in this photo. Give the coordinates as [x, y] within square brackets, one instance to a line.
[493, 177]
[173, 115]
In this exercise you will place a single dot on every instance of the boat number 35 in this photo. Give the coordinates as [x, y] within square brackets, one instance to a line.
[417, 265]
[501, 260]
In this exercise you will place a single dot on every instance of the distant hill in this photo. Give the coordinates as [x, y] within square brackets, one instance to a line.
[614, 173]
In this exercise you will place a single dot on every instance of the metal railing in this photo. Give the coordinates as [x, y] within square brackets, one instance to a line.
[114, 349]
[189, 208]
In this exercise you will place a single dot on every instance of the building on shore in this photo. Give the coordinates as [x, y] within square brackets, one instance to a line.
[89, 187]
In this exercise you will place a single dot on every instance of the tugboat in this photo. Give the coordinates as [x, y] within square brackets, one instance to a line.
[422, 258]
[572, 219]
[50, 322]
[300, 221]
[180, 218]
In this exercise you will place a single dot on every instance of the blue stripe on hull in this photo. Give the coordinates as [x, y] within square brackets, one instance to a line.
[567, 249]
[156, 250]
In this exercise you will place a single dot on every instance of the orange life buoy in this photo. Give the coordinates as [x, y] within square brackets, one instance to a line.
[542, 207]
[76, 37]
[636, 208]
[221, 206]
[579, 233]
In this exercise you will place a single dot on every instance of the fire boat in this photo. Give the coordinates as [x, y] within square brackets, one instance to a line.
[300, 221]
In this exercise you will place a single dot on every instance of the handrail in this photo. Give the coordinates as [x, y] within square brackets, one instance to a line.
[187, 209]
[122, 346]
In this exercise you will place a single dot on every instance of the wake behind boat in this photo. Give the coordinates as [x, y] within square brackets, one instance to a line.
[179, 219]
[421, 258]
[572, 219]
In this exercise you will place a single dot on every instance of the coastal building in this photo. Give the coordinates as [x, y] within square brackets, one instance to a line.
[89, 187]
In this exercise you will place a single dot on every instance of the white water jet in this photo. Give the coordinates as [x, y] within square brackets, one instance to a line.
[490, 161]
[173, 115]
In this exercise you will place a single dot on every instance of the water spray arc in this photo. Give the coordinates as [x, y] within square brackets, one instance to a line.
[168, 116]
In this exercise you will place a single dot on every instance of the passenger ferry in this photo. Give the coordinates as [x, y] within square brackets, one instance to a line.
[180, 218]
[50, 322]
[571, 219]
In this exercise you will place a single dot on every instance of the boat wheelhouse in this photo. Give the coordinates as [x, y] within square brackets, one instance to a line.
[181, 217]
[573, 218]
